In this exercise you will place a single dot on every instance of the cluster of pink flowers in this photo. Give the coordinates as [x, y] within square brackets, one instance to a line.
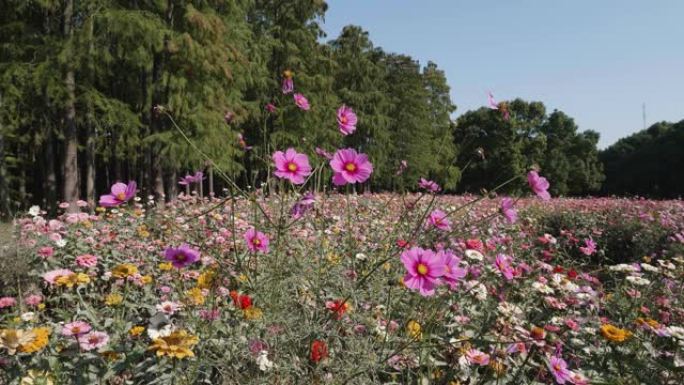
[425, 269]
[87, 339]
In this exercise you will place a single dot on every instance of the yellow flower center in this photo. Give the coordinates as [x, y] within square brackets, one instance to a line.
[256, 242]
[75, 330]
[422, 269]
[351, 167]
[292, 167]
[121, 196]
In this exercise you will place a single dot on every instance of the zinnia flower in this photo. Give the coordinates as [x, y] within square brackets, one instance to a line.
[350, 167]
[338, 307]
[182, 256]
[539, 185]
[86, 260]
[75, 329]
[176, 345]
[346, 120]
[302, 102]
[438, 219]
[93, 340]
[52, 276]
[508, 211]
[120, 194]
[423, 270]
[256, 241]
[292, 166]
[168, 307]
[7, 302]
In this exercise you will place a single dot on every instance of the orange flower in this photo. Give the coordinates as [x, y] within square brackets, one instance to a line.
[615, 334]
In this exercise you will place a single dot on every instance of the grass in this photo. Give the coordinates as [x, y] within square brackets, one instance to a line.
[11, 267]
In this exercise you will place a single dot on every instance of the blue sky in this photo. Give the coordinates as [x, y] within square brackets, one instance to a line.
[596, 60]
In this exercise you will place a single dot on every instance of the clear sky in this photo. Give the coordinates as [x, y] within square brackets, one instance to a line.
[596, 60]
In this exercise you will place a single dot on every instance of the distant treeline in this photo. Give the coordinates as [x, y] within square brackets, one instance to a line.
[649, 163]
[79, 82]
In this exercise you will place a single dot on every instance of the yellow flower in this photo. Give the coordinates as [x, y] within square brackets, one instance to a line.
[498, 367]
[648, 321]
[333, 258]
[113, 299]
[195, 296]
[124, 270]
[205, 280]
[413, 329]
[288, 74]
[71, 280]
[146, 279]
[100, 209]
[242, 278]
[41, 306]
[38, 342]
[135, 331]
[142, 231]
[35, 377]
[177, 345]
[11, 339]
[252, 313]
[615, 334]
[165, 266]
[111, 355]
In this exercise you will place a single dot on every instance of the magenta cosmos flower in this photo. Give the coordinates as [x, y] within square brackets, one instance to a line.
[539, 185]
[508, 211]
[346, 120]
[589, 247]
[350, 167]
[291, 165]
[182, 256]
[256, 241]
[302, 102]
[288, 84]
[423, 270]
[559, 369]
[120, 194]
[503, 264]
[438, 219]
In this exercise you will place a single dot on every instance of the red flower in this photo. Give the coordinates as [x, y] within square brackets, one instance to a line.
[403, 243]
[474, 244]
[337, 306]
[572, 274]
[319, 351]
[243, 301]
[558, 269]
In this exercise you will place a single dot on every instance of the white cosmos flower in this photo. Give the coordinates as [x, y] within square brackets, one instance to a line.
[34, 211]
[264, 363]
[474, 254]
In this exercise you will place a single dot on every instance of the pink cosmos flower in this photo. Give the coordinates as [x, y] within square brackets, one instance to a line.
[292, 166]
[539, 185]
[589, 247]
[75, 329]
[510, 213]
[503, 264]
[256, 241]
[287, 85]
[428, 185]
[454, 272]
[578, 378]
[302, 102]
[93, 340]
[423, 270]
[403, 165]
[182, 256]
[322, 153]
[559, 369]
[120, 194]
[86, 260]
[7, 302]
[438, 219]
[346, 120]
[350, 167]
[476, 357]
[51, 276]
[303, 205]
[271, 108]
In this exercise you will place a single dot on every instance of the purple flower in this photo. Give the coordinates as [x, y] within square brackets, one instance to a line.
[302, 102]
[120, 194]
[454, 272]
[438, 219]
[303, 205]
[508, 211]
[182, 256]
[428, 185]
[539, 185]
[589, 247]
[256, 241]
[503, 264]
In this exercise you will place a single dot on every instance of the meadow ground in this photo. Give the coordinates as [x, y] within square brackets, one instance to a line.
[346, 289]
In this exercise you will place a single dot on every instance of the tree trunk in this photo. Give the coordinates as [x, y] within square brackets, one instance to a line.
[70, 135]
[5, 210]
[92, 134]
[210, 171]
[50, 173]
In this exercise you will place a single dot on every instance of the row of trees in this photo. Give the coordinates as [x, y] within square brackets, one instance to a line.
[648, 163]
[79, 82]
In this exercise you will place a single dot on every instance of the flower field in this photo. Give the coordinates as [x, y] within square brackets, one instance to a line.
[348, 289]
